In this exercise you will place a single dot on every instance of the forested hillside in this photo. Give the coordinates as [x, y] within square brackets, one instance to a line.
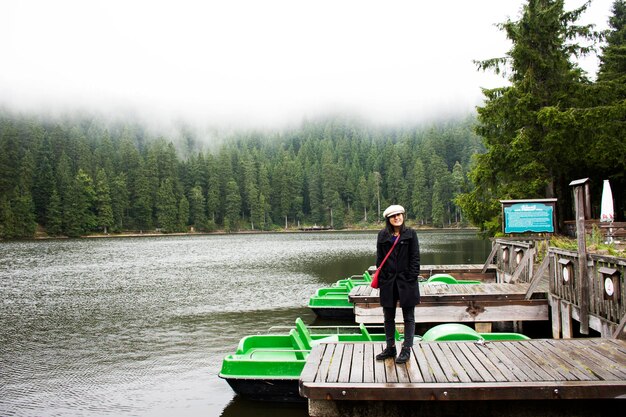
[75, 177]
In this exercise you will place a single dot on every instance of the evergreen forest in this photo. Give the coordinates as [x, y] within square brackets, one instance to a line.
[82, 176]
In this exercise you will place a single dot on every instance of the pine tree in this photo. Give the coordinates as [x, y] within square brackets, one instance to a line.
[196, 209]
[232, 206]
[437, 204]
[183, 213]
[78, 216]
[166, 207]
[104, 209]
[42, 189]
[120, 204]
[522, 159]
[142, 201]
[9, 157]
[54, 214]
[421, 196]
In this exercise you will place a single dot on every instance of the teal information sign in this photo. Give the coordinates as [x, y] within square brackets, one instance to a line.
[528, 217]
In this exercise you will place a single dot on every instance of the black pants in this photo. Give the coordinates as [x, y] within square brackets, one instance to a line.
[390, 322]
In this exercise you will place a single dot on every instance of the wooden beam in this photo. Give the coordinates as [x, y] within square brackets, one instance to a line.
[520, 267]
[583, 284]
[534, 282]
[555, 311]
[467, 312]
[619, 332]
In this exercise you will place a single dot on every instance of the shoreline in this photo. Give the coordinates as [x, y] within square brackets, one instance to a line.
[239, 232]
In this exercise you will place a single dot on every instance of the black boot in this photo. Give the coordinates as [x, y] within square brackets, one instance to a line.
[389, 352]
[404, 355]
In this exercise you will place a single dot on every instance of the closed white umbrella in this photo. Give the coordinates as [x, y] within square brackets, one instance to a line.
[606, 209]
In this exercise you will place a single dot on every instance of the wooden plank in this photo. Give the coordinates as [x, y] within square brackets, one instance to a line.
[509, 350]
[356, 369]
[482, 374]
[521, 369]
[335, 364]
[379, 366]
[482, 358]
[565, 353]
[506, 365]
[413, 368]
[368, 362]
[502, 391]
[403, 373]
[559, 363]
[530, 310]
[468, 366]
[434, 365]
[346, 363]
[567, 328]
[555, 316]
[444, 362]
[390, 370]
[601, 366]
[613, 359]
[322, 370]
[536, 360]
[426, 371]
[311, 367]
[455, 358]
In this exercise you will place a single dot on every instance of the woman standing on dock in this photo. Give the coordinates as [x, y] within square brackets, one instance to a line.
[398, 280]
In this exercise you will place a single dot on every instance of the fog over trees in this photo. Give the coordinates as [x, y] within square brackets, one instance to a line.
[81, 176]
[548, 125]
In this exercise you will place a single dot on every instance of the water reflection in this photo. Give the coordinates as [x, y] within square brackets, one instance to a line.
[139, 326]
[239, 407]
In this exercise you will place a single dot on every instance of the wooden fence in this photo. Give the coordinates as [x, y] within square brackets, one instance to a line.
[602, 300]
[514, 259]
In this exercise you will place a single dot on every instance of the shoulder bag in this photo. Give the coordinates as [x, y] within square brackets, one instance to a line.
[374, 283]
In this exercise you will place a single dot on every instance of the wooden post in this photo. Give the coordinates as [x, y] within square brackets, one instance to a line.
[583, 284]
[555, 308]
[619, 331]
[587, 195]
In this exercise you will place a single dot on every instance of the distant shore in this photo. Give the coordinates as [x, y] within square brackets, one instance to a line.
[223, 232]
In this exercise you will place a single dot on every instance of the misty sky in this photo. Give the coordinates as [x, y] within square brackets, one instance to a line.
[255, 63]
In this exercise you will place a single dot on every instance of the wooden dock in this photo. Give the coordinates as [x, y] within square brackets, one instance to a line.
[340, 376]
[461, 271]
[442, 303]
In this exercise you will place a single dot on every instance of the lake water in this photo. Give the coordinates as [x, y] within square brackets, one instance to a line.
[139, 326]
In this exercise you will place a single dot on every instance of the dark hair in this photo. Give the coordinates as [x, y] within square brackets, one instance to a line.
[390, 228]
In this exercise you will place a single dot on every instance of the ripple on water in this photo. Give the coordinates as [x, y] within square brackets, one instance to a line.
[137, 327]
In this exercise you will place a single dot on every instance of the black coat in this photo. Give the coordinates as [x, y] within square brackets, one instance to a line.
[401, 268]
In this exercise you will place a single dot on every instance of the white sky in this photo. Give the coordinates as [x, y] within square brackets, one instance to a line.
[255, 62]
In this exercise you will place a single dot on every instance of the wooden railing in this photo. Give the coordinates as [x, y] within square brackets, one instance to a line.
[514, 259]
[605, 302]
[615, 230]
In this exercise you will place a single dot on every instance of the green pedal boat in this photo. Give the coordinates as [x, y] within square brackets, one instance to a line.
[268, 367]
[333, 302]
